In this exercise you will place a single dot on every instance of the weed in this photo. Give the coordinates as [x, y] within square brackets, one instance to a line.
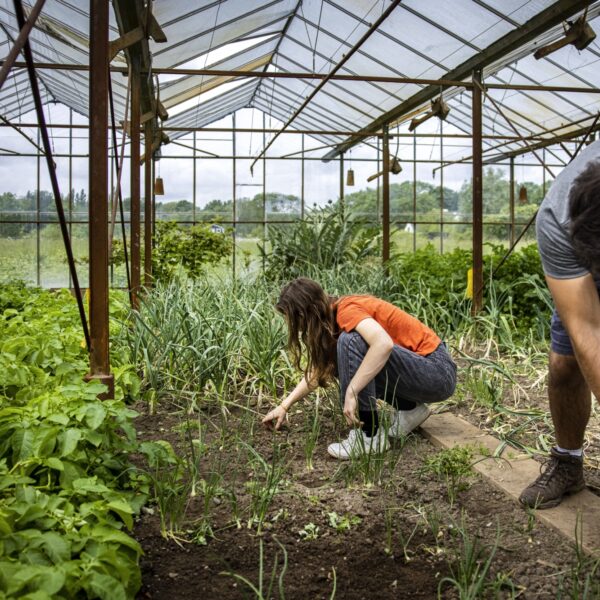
[454, 466]
[309, 532]
[342, 523]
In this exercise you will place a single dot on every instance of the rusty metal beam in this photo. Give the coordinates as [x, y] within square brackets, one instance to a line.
[237, 73]
[148, 205]
[19, 43]
[134, 165]
[477, 184]
[385, 190]
[555, 14]
[98, 193]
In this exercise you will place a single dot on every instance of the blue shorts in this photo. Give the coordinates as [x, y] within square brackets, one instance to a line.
[559, 338]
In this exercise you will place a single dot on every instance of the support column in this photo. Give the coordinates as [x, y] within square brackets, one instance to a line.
[512, 200]
[386, 195]
[134, 165]
[477, 196]
[148, 204]
[342, 178]
[98, 193]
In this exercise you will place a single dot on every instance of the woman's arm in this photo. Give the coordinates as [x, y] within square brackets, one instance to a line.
[277, 415]
[380, 348]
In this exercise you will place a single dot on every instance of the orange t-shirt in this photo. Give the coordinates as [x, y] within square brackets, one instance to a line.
[405, 330]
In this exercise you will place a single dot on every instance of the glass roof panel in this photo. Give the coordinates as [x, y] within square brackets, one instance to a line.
[192, 33]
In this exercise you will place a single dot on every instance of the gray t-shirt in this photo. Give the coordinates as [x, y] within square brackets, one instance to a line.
[552, 223]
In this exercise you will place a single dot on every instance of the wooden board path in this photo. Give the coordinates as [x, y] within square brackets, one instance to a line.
[513, 472]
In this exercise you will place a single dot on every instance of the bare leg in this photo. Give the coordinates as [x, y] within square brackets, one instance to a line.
[570, 400]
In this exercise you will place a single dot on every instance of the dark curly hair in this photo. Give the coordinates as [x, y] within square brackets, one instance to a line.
[584, 211]
[310, 316]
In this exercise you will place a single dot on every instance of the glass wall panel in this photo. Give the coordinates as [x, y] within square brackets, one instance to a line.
[18, 252]
[321, 182]
[214, 190]
[54, 271]
[283, 190]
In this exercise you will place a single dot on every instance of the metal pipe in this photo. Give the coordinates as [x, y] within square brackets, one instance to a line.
[386, 195]
[148, 205]
[443, 82]
[477, 195]
[37, 98]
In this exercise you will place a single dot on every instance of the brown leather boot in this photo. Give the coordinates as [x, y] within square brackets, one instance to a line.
[562, 476]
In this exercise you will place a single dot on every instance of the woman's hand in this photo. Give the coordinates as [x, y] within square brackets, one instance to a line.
[350, 405]
[275, 418]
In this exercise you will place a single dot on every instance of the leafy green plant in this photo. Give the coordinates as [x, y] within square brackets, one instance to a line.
[326, 238]
[190, 248]
[342, 523]
[452, 465]
[309, 532]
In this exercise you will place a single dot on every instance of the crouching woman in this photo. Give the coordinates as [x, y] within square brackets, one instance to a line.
[375, 350]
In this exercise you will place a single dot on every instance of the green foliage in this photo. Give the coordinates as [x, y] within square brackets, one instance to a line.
[342, 523]
[67, 491]
[326, 238]
[177, 246]
[452, 465]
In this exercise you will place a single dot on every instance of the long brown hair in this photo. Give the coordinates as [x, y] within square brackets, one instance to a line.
[310, 317]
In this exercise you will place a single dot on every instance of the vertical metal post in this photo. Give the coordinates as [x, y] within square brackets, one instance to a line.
[153, 204]
[386, 194]
[264, 195]
[37, 208]
[134, 165]
[148, 204]
[512, 200]
[234, 195]
[442, 187]
[414, 191]
[302, 182]
[194, 182]
[70, 183]
[342, 178]
[477, 196]
[98, 191]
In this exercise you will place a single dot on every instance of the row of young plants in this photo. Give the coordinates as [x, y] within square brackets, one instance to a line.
[68, 490]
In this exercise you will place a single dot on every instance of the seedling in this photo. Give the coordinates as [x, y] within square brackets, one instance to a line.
[454, 466]
[342, 523]
[309, 532]
[313, 428]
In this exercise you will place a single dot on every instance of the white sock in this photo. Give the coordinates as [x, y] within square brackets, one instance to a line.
[578, 452]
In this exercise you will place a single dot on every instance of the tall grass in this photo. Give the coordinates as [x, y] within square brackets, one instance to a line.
[210, 341]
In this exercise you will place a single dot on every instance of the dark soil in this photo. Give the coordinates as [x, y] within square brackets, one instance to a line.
[533, 560]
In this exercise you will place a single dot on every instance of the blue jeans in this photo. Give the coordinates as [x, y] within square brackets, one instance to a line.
[559, 338]
[406, 378]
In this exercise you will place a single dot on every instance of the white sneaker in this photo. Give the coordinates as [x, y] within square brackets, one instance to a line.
[358, 443]
[406, 420]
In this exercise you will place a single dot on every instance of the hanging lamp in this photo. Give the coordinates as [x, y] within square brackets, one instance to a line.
[350, 177]
[159, 188]
[523, 195]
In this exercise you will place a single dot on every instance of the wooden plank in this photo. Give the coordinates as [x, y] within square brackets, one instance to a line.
[512, 472]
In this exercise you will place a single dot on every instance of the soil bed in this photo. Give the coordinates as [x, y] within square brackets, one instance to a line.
[401, 536]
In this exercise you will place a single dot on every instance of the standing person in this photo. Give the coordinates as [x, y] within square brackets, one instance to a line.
[375, 350]
[568, 233]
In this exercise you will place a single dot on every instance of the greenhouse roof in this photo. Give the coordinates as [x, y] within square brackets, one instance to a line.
[419, 39]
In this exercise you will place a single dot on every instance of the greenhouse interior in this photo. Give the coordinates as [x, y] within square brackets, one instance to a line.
[289, 299]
